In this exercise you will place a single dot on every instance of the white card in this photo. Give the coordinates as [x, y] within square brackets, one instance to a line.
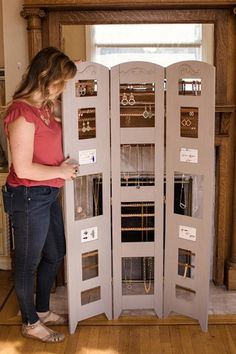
[87, 156]
[189, 155]
[188, 233]
[89, 234]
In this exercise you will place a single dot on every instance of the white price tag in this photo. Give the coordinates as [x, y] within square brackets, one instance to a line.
[188, 233]
[189, 155]
[89, 234]
[87, 156]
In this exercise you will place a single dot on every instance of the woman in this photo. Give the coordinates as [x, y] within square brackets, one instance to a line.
[36, 175]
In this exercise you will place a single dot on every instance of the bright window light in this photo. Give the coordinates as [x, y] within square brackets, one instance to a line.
[163, 44]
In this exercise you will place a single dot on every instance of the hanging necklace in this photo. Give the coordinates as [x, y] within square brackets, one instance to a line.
[96, 189]
[147, 268]
[44, 115]
[128, 282]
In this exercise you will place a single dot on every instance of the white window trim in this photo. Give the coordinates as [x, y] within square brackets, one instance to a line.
[206, 45]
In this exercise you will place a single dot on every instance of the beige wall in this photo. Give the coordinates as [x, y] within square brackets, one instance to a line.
[15, 44]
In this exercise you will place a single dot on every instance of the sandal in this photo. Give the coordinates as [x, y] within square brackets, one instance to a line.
[61, 320]
[52, 337]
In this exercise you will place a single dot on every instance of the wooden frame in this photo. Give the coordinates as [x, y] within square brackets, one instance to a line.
[45, 21]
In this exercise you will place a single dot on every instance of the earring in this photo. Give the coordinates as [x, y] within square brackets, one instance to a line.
[150, 112]
[124, 100]
[88, 126]
[131, 99]
[145, 113]
[84, 128]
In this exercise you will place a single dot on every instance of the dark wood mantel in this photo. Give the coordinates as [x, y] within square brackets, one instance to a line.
[124, 4]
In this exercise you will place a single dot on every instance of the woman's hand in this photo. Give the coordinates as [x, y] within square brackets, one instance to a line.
[69, 169]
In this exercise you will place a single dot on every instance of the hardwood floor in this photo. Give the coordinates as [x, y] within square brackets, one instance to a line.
[128, 335]
[220, 339]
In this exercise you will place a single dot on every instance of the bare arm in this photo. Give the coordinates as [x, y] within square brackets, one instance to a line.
[21, 139]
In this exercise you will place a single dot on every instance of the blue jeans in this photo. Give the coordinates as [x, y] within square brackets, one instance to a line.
[39, 240]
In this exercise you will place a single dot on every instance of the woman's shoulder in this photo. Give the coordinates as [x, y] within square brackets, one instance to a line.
[20, 104]
[20, 108]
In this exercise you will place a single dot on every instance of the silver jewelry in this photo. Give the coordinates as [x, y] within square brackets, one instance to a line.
[128, 282]
[124, 100]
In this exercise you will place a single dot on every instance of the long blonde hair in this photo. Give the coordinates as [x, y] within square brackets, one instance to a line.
[48, 65]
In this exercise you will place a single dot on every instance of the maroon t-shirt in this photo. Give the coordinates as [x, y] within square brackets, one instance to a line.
[47, 142]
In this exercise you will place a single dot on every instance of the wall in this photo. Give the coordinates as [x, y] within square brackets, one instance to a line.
[15, 44]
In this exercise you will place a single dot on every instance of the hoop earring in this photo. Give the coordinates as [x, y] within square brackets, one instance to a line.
[124, 100]
[131, 99]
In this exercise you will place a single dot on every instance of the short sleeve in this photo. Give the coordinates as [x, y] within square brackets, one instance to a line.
[16, 110]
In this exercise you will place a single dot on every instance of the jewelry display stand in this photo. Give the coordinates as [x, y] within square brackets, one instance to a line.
[137, 142]
[147, 168]
[87, 198]
[190, 150]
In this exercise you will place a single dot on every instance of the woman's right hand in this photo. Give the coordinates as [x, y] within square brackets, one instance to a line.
[69, 169]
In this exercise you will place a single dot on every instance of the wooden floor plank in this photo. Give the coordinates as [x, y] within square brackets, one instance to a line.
[126, 340]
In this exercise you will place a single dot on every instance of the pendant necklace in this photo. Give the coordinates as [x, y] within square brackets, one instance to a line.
[44, 115]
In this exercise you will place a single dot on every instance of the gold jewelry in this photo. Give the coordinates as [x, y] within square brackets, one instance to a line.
[145, 113]
[124, 100]
[131, 99]
[150, 114]
[45, 116]
[149, 268]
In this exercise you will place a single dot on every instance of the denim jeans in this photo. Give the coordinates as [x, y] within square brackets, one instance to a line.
[39, 242]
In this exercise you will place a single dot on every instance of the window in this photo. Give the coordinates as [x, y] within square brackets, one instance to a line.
[163, 44]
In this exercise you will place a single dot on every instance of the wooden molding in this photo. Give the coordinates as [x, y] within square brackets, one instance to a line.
[34, 29]
[130, 4]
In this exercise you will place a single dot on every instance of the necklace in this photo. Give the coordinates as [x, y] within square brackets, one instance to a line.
[128, 282]
[96, 189]
[44, 115]
[147, 268]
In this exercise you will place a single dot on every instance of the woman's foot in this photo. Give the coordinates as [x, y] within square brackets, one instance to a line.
[52, 318]
[42, 333]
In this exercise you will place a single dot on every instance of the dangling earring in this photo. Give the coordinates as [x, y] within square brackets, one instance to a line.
[131, 99]
[145, 113]
[124, 100]
[88, 126]
[150, 112]
[84, 128]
